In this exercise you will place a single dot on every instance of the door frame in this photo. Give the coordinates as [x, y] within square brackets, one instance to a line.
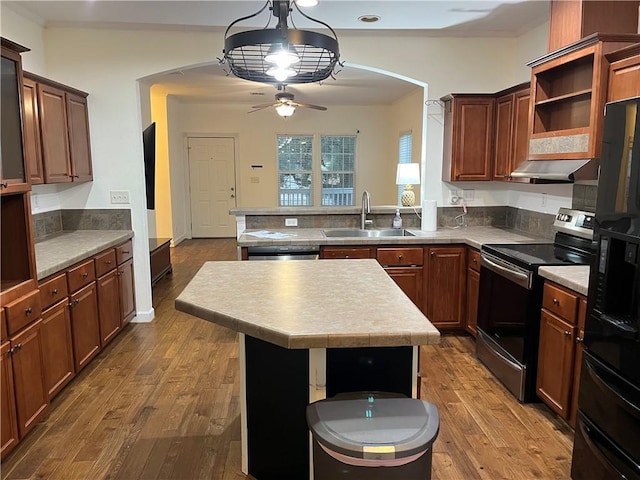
[187, 169]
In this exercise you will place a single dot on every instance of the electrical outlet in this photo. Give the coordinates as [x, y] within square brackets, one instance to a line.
[119, 196]
[454, 198]
[469, 195]
[290, 222]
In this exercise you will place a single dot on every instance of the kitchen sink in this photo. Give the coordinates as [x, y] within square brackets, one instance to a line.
[373, 233]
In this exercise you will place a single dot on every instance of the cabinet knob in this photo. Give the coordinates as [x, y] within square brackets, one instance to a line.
[475, 260]
[28, 311]
[556, 301]
[433, 254]
[18, 346]
[75, 176]
[4, 185]
[76, 301]
[108, 262]
[54, 292]
[346, 256]
[579, 339]
[85, 275]
[567, 333]
[400, 257]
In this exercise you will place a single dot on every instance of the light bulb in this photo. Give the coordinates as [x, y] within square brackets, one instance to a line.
[281, 74]
[285, 110]
[282, 56]
[307, 3]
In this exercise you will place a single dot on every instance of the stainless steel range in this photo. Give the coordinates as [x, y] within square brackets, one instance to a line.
[510, 298]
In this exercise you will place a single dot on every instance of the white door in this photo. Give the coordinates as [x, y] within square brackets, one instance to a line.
[213, 186]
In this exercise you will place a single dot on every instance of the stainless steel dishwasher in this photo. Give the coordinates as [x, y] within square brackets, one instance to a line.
[284, 252]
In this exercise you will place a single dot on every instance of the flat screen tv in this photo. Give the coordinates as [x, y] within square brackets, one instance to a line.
[149, 148]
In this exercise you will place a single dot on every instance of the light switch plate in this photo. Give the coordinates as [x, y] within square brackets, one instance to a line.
[119, 196]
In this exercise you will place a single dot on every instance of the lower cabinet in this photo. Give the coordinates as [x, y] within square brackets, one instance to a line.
[9, 427]
[28, 377]
[57, 349]
[85, 325]
[560, 349]
[109, 306]
[126, 282]
[409, 279]
[473, 288]
[445, 285]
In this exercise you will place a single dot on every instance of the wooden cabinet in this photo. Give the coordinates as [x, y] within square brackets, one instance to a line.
[109, 306]
[404, 266]
[468, 137]
[61, 145]
[126, 282]
[9, 422]
[473, 288]
[569, 90]
[624, 73]
[13, 172]
[560, 350]
[160, 258]
[346, 252]
[31, 124]
[85, 325]
[28, 376]
[571, 20]
[445, 274]
[57, 348]
[511, 131]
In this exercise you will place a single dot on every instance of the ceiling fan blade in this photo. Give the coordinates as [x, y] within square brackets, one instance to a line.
[265, 105]
[309, 105]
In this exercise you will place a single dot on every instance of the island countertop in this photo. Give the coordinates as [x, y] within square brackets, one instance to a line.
[307, 304]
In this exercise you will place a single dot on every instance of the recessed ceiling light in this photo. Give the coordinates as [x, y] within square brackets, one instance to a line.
[307, 3]
[369, 18]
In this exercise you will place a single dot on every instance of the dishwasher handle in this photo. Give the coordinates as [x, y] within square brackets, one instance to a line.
[517, 275]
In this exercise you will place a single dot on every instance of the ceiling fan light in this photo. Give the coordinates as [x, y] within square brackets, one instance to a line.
[307, 3]
[281, 74]
[285, 110]
[282, 56]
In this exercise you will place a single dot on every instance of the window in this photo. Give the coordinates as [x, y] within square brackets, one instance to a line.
[305, 181]
[404, 156]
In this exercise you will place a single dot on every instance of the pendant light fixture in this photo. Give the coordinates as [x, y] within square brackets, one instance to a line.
[281, 55]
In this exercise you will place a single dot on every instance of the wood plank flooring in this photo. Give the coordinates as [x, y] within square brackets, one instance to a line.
[161, 402]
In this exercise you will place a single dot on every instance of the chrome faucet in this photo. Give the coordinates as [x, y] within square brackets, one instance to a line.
[366, 208]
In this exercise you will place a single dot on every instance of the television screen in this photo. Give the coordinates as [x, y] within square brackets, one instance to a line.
[149, 147]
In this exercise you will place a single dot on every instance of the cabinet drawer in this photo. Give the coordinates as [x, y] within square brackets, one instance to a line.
[22, 311]
[399, 257]
[105, 262]
[124, 252]
[473, 259]
[81, 275]
[53, 290]
[561, 302]
[357, 252]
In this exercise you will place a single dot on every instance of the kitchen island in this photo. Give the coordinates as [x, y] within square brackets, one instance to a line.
[308, 330]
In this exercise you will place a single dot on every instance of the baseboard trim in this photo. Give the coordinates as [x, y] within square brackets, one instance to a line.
[144, 317]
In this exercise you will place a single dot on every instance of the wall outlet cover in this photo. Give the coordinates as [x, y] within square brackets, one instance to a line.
[290, 222]
[119, 196]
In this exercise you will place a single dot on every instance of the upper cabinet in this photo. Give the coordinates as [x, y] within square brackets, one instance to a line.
[624, 73]
[57, 131]
[572, 20]
[468, 137]
[511, 130]
[13, 171]
[568, 93]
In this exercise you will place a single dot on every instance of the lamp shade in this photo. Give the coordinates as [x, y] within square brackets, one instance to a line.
[408, 174]
[285, 110]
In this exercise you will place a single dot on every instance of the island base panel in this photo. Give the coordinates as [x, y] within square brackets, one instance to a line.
[277, 395]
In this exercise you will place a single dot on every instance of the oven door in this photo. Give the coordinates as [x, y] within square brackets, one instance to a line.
[508, 324]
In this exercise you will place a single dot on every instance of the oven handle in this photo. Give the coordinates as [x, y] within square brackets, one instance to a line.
[504, 269]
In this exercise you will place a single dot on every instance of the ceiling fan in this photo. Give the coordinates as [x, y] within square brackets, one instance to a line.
[285, 105]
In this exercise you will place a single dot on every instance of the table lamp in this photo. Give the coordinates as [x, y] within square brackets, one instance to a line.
[408, 174]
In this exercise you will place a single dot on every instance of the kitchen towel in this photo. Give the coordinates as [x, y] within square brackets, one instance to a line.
[429, 215]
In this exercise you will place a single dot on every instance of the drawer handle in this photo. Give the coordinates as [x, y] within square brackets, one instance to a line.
[556, 301]
[126, 251]
[579, 339]
[4, 185]
[85, 275]
[28, 311]
[18, 346]
[54, 292]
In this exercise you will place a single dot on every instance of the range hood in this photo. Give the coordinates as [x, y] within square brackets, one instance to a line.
[557, 171]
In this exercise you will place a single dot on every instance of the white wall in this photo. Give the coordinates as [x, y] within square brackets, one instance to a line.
[108, 63]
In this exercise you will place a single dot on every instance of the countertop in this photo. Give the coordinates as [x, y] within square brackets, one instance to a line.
[302, 304]
[63, 250]
[472, 236]
[574, 277]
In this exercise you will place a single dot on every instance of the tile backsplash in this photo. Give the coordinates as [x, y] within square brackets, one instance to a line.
[51, 223]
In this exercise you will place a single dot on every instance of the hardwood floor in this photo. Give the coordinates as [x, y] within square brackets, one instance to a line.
[161, 401]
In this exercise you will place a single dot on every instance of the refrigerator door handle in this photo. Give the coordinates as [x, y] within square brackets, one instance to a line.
[606, 386]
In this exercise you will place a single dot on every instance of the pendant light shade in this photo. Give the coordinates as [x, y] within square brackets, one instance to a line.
[281, 55]
[285, 110]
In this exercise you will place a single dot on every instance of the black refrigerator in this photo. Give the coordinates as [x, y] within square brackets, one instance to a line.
[607, 437]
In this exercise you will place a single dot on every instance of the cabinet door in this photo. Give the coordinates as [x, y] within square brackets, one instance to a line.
[28, 376]
[503, 139]
[469, 139]
[13, 176]
[57, 348]
[109, 306]
[520, 132]
[53, 127]
[473, 287]
[577, 362]
[445, 286]
[8, 419]
[555, 362]
[79, 143]
[410, 281]
[624, 79]
[31, 123]
[85, 325]
[127, 292]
